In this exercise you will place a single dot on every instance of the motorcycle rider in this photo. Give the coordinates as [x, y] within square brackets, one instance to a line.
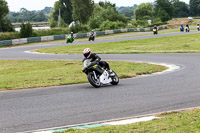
[155, 30]
[187, 28]
[94, 58]
[72, 36]
[92, 35]
[182, 28]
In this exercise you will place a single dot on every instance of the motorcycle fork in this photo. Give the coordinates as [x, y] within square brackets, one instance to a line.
[95, 76]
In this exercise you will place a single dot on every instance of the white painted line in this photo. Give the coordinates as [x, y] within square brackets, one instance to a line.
[130, 121]
[43, 132]
[29, 52]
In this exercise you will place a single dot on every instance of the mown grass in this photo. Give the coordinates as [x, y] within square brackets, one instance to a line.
[175, 122]
[21, 74]
[188, 43]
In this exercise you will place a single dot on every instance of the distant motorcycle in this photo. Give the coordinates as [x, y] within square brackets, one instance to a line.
[70, 39]
[155, 31]
[97, 75]
[91, 37]
[187, 29]
[181, 29]
[198, 27]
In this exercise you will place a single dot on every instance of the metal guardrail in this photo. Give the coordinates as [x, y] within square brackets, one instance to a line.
[61, 37]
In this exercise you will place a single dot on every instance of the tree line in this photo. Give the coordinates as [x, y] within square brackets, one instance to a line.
[25, 15]
[103, 15]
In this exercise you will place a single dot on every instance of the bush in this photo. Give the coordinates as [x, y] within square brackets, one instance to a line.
[26, 30]
[78, 28]
[140, 23]
[109, 25]
[9, 35]
[53, 31]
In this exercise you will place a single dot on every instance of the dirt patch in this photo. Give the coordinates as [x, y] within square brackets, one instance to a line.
[179, 22]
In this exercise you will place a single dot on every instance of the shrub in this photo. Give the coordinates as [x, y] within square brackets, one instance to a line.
[141, 23]
[26, 30]
[78, 28]
[109, 25]
[53, 31]
[9, 35]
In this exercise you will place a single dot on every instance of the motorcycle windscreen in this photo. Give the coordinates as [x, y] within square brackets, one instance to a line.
[86, 63]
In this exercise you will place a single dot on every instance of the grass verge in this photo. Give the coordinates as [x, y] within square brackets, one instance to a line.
[21, 74]
[174, 44]
[175, 122]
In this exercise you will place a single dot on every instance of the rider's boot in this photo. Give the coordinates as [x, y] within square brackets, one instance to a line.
[111, 73]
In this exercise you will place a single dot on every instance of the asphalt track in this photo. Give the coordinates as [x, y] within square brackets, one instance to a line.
[32, 109]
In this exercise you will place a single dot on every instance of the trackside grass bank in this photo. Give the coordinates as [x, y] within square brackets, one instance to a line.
[175, 122]
[21, 74]
[188, 43]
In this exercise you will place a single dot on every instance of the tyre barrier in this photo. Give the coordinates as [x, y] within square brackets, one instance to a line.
[79, 35]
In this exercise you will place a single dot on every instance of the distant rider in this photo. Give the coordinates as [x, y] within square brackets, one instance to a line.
[181, 28]
[94, 58]
[187, 28]
[72, 36]
[155, 30]
[92, 32]
[198, 27]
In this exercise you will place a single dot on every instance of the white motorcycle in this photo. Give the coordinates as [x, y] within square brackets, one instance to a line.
[97, 75]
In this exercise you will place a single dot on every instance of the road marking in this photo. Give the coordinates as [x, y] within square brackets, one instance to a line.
[120, 122]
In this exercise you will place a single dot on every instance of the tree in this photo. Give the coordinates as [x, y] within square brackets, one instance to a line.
[82, 10]
[3, 9]
[164, 10]
[26, 30]
[5, 24]
[105, 13]
[65, 7]
[195, 7]
[181, 9]
[106, 4]
[144, 11]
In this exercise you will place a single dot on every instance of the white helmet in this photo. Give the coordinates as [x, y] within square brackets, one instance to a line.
[87, 52]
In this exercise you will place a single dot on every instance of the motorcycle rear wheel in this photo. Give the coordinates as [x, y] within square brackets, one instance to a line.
[94, 82]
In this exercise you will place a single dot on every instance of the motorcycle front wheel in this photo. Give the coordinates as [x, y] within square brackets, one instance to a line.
[93, 81]
[115, 79]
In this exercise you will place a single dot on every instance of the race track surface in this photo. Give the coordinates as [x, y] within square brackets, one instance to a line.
[32, 109]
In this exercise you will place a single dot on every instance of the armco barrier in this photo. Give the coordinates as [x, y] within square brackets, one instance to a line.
[124, 30]
[142, 30]
[107, 32]
[100, 33]
[23, 40]
[6, 43]
[81, 35]
[61, 37]
[131, 30]
[117, 31]
[147, 29]
[15, 42]
[33, 39]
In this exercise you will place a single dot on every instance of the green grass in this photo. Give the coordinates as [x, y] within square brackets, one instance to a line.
[175, 122]
[188, 43]
[23, 74]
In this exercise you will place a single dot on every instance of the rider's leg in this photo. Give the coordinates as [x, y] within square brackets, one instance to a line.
[106, 66]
